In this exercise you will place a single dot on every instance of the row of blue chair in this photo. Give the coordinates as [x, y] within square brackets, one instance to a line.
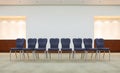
[65, 42]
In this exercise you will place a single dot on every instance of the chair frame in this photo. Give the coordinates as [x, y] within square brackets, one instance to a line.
[31, 48]
[19, 47]
[66, 47]
[100, 45]
[77, 42]
[88, 46]
[54, 46]
[42, 43]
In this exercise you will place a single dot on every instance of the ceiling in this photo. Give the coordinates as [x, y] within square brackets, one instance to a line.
[59, 2]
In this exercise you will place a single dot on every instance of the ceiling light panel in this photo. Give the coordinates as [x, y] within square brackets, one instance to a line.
[110, 1]
[91, 1]
[55, 2]
[8, 1]
[50, 1]
[28, 1]
[72, 1]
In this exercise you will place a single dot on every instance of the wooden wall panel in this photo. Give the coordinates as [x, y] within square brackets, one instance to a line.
[5, 45]
[114, 45]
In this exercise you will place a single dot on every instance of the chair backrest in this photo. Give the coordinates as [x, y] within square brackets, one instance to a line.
[32, 43]
[20, 43]
[87, 43]
[99, 43]
[42, 42]
[65, 42]
[77, 42]
[54, 42]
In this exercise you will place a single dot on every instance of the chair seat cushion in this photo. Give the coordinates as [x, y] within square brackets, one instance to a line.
[53, 49]
[66, 49]
[16, 49]
[92, 49]
[103, 49]
[79, 49]
[40, 49]
[27, 49]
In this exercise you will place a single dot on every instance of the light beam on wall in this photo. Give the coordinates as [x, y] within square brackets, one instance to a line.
[12, 27]
[107, 27]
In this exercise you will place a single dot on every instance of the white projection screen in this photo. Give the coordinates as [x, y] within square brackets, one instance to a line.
[107, 27]
[12, 27]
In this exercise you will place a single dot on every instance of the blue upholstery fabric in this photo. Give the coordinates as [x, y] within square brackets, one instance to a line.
[42, 42]
[65, 44]
[31, 44]
[100, 44]
[88, 44]
[77, 44]
[54, 42]
[19, 44]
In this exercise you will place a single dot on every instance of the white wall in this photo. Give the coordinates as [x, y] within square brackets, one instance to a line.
[60, 21]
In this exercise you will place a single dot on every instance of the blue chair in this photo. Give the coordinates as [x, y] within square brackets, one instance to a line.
[77, 42]
[88, 46]
[100, 45]
[42, 42]
[66, 46]
[31, 47]
[19, 47]
[54, 43]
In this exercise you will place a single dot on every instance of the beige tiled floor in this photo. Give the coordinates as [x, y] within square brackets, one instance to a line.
[59, 66]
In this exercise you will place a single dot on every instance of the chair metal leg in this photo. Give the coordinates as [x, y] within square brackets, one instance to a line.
[99, 54]
[10, 55]
[37, 55]
[82, 55]
[50, 55]
[20, 55]
[70, 56]
[47, 54]
[96, 55]
[86, 52]
[74, 53]
[91, 55]
[109, 55]
[58, 55]
[23, 55]
[33, 52]
[61, 54]
[103, 54]
[16, 54]
[27, 55]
